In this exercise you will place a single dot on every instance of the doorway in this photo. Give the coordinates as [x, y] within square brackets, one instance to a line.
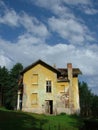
[49, 107]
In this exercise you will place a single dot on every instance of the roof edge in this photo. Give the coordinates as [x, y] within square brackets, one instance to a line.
[39, 62]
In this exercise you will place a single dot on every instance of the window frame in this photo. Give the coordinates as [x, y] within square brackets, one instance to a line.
[48, 86]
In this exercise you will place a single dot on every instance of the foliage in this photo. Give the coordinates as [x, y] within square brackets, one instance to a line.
[11, 95]
[94, 106]
[88, 101]
[4, 82]
[9, 84]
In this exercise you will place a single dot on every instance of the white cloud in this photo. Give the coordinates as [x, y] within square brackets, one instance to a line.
[89, 10]
[4, 61]
[10, 18]
[30, 24]
[47, 4]
[26, 52]
[76, 2]
[33, 25]
[71, 29]
[58, 6]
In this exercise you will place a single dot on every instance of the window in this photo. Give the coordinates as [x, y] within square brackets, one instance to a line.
[48, 86]
[34, 79]
[34, 99]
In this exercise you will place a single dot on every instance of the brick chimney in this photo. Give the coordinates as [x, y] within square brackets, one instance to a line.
[69, 68]
[71, 91]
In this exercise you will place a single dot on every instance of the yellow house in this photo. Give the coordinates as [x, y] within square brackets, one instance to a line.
[46, 89]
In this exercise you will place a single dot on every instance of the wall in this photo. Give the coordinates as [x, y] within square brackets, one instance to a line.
[39, 88]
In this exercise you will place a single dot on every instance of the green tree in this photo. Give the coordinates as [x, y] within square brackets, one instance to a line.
[95, 106]
[85, 99]
[4, 82]
[11, 100]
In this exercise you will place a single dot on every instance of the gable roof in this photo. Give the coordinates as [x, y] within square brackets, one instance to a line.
[60, 71]
[42, 63]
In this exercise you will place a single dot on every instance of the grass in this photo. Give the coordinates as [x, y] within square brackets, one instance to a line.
[16, 120]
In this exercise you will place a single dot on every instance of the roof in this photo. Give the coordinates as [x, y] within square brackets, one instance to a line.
[60, 71]
[42, 63]
[64, 71]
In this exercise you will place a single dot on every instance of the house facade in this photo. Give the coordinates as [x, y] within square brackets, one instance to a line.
[46, 89]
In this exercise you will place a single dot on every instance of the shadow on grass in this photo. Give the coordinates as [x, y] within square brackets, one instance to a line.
[10, 120]
[77, 122]
[90, 124]
[84, 124]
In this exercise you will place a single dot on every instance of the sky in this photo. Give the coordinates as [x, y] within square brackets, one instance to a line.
[55, 31]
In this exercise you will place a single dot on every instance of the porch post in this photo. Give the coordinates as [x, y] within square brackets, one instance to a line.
[18, 101]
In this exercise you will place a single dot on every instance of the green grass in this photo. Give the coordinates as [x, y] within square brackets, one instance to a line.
[16, 120]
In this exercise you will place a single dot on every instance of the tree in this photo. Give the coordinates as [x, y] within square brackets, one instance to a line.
[4, 82]
[95, 106]
[85, 99]
[11, 95]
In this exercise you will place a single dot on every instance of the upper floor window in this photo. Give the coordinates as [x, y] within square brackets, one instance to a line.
[48, 86]
[34, 79]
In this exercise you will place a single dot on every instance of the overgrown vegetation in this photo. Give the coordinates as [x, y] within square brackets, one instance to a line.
[15, 120]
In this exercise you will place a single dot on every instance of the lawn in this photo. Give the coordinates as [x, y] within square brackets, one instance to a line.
[16, 120]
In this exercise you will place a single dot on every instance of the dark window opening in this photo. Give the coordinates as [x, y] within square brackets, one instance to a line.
[48, 86]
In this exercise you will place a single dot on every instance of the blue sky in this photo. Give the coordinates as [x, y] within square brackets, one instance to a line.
[56, 31]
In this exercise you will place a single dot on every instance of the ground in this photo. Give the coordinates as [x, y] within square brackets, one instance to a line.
[16, 120]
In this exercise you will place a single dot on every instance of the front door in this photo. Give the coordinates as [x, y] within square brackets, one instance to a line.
[49, 107]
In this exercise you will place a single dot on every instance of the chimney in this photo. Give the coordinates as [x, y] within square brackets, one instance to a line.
[54, 65]
[69, 68]
[71, 91]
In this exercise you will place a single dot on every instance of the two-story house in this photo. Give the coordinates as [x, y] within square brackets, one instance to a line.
[46, 89]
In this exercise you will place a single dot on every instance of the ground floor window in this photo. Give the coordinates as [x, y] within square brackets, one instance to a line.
[34, 98]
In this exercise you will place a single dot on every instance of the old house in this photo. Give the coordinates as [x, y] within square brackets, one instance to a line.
[46, 89]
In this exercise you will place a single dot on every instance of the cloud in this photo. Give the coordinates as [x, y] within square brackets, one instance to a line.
[30, 24]
[28, 48]
[4, 61]
[59, 7]
[46, 3]
[55, 6]
[89, 10]
[10, 18]
[71, 29]
[33, 25]
[77, 2]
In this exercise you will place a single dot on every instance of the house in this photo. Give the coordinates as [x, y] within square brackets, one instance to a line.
[46, 89]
